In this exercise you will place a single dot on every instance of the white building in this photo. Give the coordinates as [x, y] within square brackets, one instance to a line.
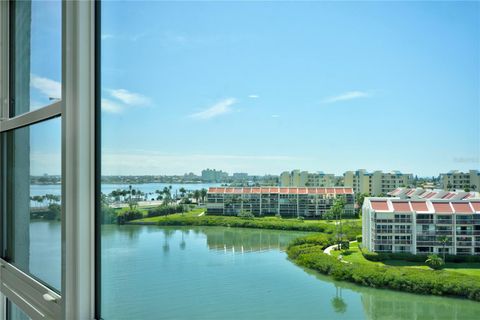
[377, 182]
[287, 202]
[297, 178]
[460, 180]
[420, 226]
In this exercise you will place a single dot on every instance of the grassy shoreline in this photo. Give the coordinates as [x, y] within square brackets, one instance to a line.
[308, 253]
[193, 219]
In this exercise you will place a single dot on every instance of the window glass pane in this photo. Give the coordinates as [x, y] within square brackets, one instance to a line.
[14, 312]
[36, 51]
[33, 200]
[259, 114]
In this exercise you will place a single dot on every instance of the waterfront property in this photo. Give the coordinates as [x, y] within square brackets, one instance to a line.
[421, 193]
[460, 180]
[421, 226]
[376, 183]
[297, 178]
[287, 202]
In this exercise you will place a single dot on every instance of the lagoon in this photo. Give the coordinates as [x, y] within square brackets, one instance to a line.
[152, 272]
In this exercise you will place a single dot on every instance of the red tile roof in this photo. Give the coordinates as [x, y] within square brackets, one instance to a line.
[476, 205]
[442, 207]
[283, 190]
[462, 207]
[302, 190]
[402, 206]
[380, 205]
[419, 205]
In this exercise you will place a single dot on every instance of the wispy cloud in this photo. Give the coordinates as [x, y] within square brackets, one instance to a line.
[138, 161]
[111, 106]
[129, 98]
[275, 116]
[106, 36]
[350, 95]
[48, 87]
[222, 107]
[254, 96]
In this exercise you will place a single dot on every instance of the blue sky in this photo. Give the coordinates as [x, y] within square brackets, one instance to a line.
[264, 87]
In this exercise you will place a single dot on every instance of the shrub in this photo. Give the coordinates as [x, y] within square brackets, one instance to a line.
[359, 238]
[164, 210]
[244, 214]
[306, 253]
[435, 262]
[127, 215]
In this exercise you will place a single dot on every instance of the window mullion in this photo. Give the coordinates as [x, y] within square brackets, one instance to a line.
[78, 159]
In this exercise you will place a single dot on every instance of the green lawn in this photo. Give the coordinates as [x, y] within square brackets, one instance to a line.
[192, 213]
[355, 256]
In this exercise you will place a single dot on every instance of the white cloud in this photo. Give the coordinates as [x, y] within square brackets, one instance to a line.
[107, 36]
[129, 98]
[111, 106]
[222, 107]
[350, 95]
[48, 87]
[134, 161]
[254, 96]
[275, 116]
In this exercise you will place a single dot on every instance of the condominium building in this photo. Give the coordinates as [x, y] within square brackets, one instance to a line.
[297, 178]
[421, 226]
[212, 175]
[376, 183]
[460, 180]
[288, 202]
[420, 193]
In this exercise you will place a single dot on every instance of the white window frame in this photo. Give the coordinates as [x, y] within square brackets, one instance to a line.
[77, 111]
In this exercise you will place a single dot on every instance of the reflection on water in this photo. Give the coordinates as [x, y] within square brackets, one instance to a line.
[201, 273]
[249, 240]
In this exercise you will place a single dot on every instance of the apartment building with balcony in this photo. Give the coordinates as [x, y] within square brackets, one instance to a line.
[420, 193]
[376, 183]
[421, 226]
[297, 178]
[460, 180]
[286, 201]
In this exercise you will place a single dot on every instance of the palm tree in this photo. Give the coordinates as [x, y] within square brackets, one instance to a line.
[443, 240]
[338, 303]
[434, 261]
[203, 194]
[197, 195]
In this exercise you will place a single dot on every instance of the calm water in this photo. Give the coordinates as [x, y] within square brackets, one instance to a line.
[152, 272]
[40, 189]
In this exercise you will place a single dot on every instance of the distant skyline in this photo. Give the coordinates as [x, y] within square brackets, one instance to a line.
[263, 87]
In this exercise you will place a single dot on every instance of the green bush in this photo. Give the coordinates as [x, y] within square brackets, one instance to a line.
[244, 214]
[127, 215]
[307, 254]
[164, 210]
[350, 229]
[359, 238]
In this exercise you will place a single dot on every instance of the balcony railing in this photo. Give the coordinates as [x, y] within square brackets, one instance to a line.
[426, 243]
[424, 221]
[441, 221]
[402, 231]
[465, 222]
[403, 242]
[383, 241]
[392, 220]
[464, 243]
